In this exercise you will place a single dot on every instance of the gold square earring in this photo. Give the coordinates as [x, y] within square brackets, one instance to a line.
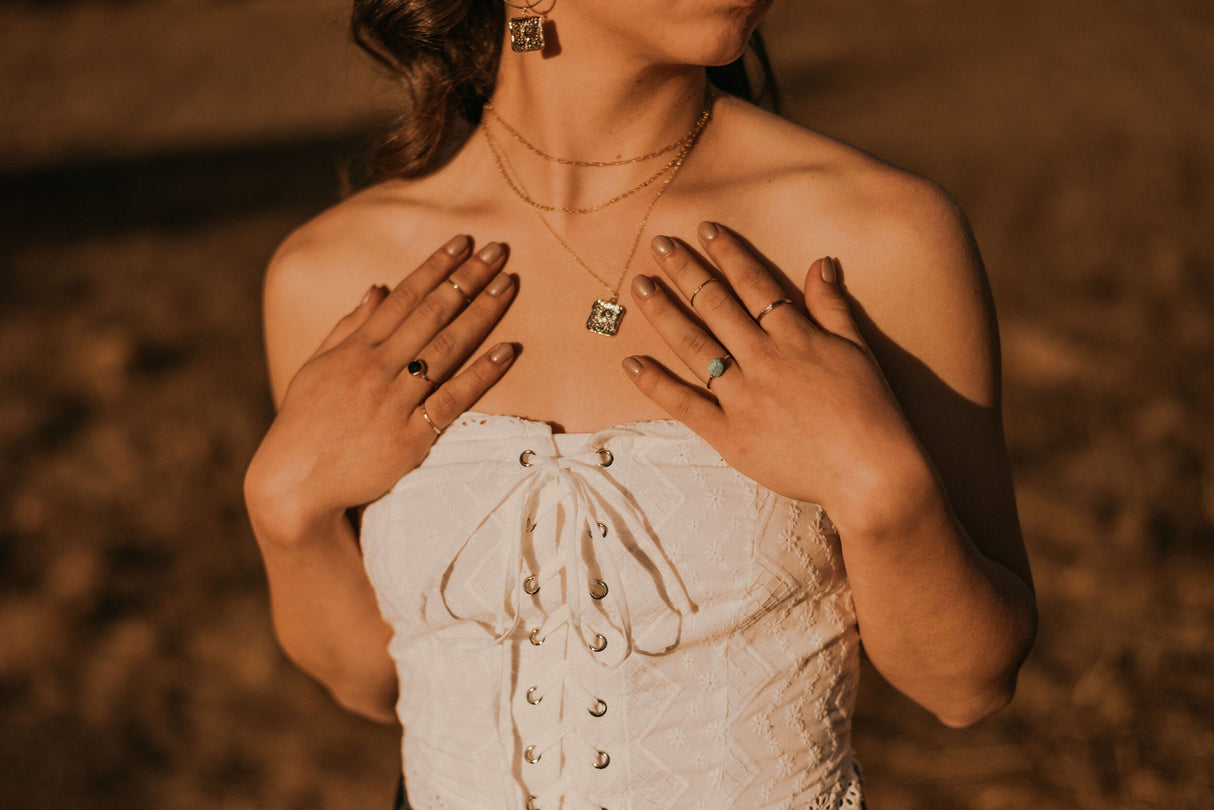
[526, 30]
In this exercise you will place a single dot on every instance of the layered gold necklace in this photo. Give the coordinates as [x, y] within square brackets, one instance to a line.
[605, 313]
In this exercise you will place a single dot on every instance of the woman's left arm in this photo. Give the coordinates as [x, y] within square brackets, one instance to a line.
[911, 468]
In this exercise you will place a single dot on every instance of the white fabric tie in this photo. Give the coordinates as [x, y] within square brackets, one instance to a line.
[585, 489]
[586, 492]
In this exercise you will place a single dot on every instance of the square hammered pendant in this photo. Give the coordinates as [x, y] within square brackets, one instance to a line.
[527, 33]
[605, 318]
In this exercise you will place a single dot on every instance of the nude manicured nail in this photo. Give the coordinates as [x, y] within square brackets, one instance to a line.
[709, 231]
[490, 253]
[829, 272]
[502, 352]
[367, 297]
[662, 246]
[501, 282]
[458, 246]
[642, 286]
[632, 366]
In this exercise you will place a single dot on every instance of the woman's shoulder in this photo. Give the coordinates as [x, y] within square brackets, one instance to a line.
[795, 172]
[323, 268]
[908, 257]
[365, 228]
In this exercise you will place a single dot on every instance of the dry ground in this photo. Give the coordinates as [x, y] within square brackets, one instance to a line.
[153, 153]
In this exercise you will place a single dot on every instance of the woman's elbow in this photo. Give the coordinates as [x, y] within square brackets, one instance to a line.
[376, 703]
[965, 711]
[990, 687]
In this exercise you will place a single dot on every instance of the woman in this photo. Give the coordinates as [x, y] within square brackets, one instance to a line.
[632, 597]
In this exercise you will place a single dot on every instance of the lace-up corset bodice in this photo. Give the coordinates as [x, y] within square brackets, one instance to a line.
[612, 620]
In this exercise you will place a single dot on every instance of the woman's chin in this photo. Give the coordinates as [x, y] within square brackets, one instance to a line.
[715, 57]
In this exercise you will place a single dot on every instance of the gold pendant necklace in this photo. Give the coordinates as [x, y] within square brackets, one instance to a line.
[605, 313]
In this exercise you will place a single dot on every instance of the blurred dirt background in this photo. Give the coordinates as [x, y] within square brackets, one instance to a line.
[152, 154]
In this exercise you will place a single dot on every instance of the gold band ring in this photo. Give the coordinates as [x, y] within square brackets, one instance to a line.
[417, 368]
[691, 299]
[781, 302]
[467, 298]
[437, 430]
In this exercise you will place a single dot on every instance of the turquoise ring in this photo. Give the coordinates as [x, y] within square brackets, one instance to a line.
[716, 367]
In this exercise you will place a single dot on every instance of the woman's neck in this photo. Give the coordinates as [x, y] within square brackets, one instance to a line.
[591, 102]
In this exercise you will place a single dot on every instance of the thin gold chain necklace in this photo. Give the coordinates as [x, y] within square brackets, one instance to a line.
[518, 136]
[605, 314]
[516, 184]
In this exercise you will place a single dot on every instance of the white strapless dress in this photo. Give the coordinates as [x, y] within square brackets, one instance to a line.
[612, 620]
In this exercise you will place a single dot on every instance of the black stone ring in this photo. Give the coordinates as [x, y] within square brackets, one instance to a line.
[418, 369]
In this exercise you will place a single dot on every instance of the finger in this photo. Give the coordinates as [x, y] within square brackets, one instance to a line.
[714, 303]
[463, 390]
[414, 287]
[448, 349]
[689, 405]
[354, 319]
[752, 283]
[442, 304]
[826, 303]
[694, 346]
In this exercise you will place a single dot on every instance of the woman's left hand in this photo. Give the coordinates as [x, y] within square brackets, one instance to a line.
[802, 406]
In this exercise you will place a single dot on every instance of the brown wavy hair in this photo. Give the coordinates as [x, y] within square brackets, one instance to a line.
[445, 53]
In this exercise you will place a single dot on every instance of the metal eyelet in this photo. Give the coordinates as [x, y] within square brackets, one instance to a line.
[531, 524]
[531, 585]
[598, 590]
[531, 698]
[525, 456]
[602, 528]
[598, 645]
[534, 637]
[599, 708]
[531, 805]
[601, 760]
[533, 757]
[605, 457]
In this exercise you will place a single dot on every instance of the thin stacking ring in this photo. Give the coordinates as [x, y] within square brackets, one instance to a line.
[716, 367]
[467, 298]
[781, 302]
[417, 368]
[437, 430]
[691, 299]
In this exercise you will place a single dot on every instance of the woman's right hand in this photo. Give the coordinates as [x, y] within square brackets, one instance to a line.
[353, 419]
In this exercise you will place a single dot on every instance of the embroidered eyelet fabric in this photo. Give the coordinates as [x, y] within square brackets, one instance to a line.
[612, 620]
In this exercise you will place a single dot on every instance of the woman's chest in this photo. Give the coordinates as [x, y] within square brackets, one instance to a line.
[567, 373]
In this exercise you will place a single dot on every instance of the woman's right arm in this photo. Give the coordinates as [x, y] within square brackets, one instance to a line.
[350, 424]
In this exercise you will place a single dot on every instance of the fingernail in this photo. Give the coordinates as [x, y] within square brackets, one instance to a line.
[502, 352]
[490, 253]
[458, 246]
[709, 231]
[367, 297]
[662, 246]
[501, 282]
[632, 366]
[829, 271]
[642, 286]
